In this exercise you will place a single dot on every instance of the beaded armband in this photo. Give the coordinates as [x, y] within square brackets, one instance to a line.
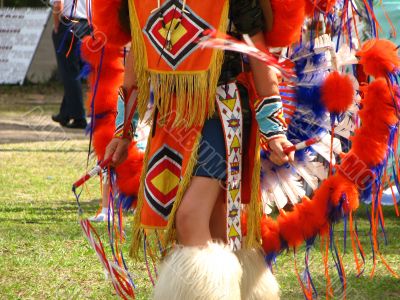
[269, 115]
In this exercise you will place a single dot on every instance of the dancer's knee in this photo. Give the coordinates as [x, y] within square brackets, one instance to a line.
[185, 221]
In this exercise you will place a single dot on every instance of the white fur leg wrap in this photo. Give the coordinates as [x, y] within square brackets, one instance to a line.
[206, 273]
[258, 283]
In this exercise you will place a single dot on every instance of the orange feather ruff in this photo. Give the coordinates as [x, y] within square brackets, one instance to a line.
[379, 57]
[288, 17]
[128, 173]
[377, 114]
[104, 54]
[105, 18]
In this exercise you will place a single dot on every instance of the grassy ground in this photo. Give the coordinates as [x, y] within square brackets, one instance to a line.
[43, 254]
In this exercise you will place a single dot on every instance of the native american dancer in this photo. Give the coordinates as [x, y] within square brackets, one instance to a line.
[202, 163]
[214, 111]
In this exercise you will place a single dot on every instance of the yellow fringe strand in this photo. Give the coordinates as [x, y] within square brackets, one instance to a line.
[137, 231]
[138, 49]
[253, 238]
[190, 94]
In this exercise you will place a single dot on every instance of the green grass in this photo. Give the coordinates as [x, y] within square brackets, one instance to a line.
[44, 255]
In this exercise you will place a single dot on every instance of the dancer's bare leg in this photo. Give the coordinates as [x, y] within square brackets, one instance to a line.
[194, 213]
[200, 269]
[218, 219]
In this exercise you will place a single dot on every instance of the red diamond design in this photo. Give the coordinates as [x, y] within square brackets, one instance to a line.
[162, 180]
[184, 28]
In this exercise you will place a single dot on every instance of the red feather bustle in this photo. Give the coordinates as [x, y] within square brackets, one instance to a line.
[309, 218]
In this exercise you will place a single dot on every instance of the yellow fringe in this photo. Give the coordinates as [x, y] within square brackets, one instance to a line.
[138, 50]
[188, 91]
[254, 213]
[137, 231]
[170, 234]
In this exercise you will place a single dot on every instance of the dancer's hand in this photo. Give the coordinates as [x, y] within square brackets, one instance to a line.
[276, 147]
[118, 150]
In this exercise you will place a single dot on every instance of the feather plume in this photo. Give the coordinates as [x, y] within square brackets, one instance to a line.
[379, 57]
[318, 169]
[309, 178]
[337, 92]
[272, 190]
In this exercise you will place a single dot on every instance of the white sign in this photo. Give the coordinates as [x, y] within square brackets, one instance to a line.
[20, 32]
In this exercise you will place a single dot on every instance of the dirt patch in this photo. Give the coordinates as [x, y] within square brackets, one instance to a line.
[25, 114]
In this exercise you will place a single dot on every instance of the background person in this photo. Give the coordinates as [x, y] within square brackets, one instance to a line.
[70, 26]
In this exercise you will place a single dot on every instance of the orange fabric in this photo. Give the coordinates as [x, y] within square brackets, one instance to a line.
[198, 60]
[182, 141]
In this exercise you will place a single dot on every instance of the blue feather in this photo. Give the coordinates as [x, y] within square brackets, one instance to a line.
[311, 97]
